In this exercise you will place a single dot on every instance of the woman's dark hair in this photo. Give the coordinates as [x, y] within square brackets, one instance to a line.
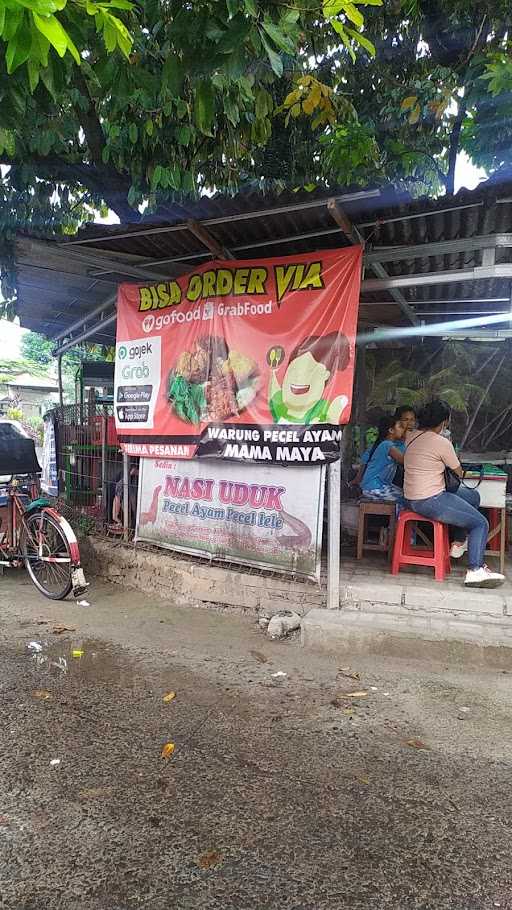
[404, 409]
[385, 424]
[434, 413]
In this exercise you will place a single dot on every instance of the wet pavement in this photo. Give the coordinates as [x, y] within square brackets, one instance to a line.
[274, 796]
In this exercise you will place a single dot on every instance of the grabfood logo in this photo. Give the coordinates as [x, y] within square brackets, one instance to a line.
[148, 323]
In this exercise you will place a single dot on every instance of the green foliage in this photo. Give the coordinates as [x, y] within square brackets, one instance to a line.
[36, 348]
[33, 31]
[14, 413]
[166, 100]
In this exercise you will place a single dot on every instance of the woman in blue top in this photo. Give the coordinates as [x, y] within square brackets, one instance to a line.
[380, 461]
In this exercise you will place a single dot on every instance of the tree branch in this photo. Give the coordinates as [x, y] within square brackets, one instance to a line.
[100, 180]
[453, 149]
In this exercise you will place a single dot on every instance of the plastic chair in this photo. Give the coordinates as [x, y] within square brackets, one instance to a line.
[405, 553]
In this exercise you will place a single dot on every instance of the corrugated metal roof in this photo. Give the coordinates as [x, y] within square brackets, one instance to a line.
[62, 280]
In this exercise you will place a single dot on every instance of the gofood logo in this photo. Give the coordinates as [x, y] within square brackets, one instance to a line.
[148, 323]
[122, 352]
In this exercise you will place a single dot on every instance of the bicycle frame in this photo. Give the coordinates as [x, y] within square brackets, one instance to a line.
[16, 522]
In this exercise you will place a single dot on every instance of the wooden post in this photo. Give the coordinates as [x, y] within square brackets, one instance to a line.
[126, 496]
[333, 534]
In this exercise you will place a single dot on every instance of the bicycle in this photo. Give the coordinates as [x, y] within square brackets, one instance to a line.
[41, 539]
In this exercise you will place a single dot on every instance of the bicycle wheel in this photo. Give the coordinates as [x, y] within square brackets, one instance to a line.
[51, 574]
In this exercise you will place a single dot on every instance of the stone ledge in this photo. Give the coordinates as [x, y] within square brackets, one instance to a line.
[409, 635]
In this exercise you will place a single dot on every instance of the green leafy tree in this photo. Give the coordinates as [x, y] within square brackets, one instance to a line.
[36, 349]
[163, 100]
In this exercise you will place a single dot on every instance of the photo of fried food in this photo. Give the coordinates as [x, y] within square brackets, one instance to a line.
[211, 382]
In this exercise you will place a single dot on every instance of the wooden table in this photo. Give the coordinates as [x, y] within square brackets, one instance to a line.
[493, 491]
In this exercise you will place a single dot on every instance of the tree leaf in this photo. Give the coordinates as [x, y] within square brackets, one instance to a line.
[340, 29]
[133, 133]
[353, 14]
[363, 41]
[51, 28]
[408, 102]
[278, 37]
[18, 49]
[251, 7]
[2, 18]
[173, 75]
[275, 60]
[414, 116]
[33, 75]
[204, 107]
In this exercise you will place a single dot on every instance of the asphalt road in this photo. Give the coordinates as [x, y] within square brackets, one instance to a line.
[274, 797]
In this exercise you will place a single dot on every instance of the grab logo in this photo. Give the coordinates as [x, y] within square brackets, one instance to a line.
[148, 323]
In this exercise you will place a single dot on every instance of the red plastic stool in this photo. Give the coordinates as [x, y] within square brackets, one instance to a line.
[407, 554]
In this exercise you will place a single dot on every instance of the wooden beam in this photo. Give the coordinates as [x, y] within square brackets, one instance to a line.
[209, 241]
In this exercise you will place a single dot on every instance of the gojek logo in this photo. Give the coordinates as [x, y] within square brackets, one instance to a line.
[147, 323]
[122, 352]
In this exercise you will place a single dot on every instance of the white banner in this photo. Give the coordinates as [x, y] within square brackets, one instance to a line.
[49, 481]
[262, 515]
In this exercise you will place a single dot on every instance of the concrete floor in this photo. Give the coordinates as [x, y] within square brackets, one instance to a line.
[274, 796]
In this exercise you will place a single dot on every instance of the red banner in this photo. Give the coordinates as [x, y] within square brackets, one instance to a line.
[248, 360]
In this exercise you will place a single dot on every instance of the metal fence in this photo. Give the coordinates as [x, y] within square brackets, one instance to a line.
[91, 478]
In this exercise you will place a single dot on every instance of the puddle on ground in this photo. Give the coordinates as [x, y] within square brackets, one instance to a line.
[79, 657]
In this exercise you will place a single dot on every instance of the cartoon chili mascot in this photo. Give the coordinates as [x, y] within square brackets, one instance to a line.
[311, 366]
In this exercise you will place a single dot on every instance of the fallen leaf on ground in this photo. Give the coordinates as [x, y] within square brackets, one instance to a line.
[95, 792]
[167, 750]
[362, 779]
[207, 860]
[170, 696]
[416, 744]
[41, 693]
[361, 694]
[58, 630]
[349, 673]
[259, 657]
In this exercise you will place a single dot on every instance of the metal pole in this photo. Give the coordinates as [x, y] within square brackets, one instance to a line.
[126, 498]
[104, 496]
[59, 374]
[333, 525]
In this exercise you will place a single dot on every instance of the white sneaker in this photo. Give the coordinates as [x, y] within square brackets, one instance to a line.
[483, 578]
[458, 548]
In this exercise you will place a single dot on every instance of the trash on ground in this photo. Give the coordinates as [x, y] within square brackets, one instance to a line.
[210, 859]
[259, 657]
[42, 693]
[83, 603]
[464, 710]
[279, 675]
[61, 664]
[77, 652]
[59, 630]
[283, 623]
[35, 646]
[362, 694]
[167, 750]
[349, 673]
[373, 689]
[54, 762]
[170, 696]
[417, 744]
